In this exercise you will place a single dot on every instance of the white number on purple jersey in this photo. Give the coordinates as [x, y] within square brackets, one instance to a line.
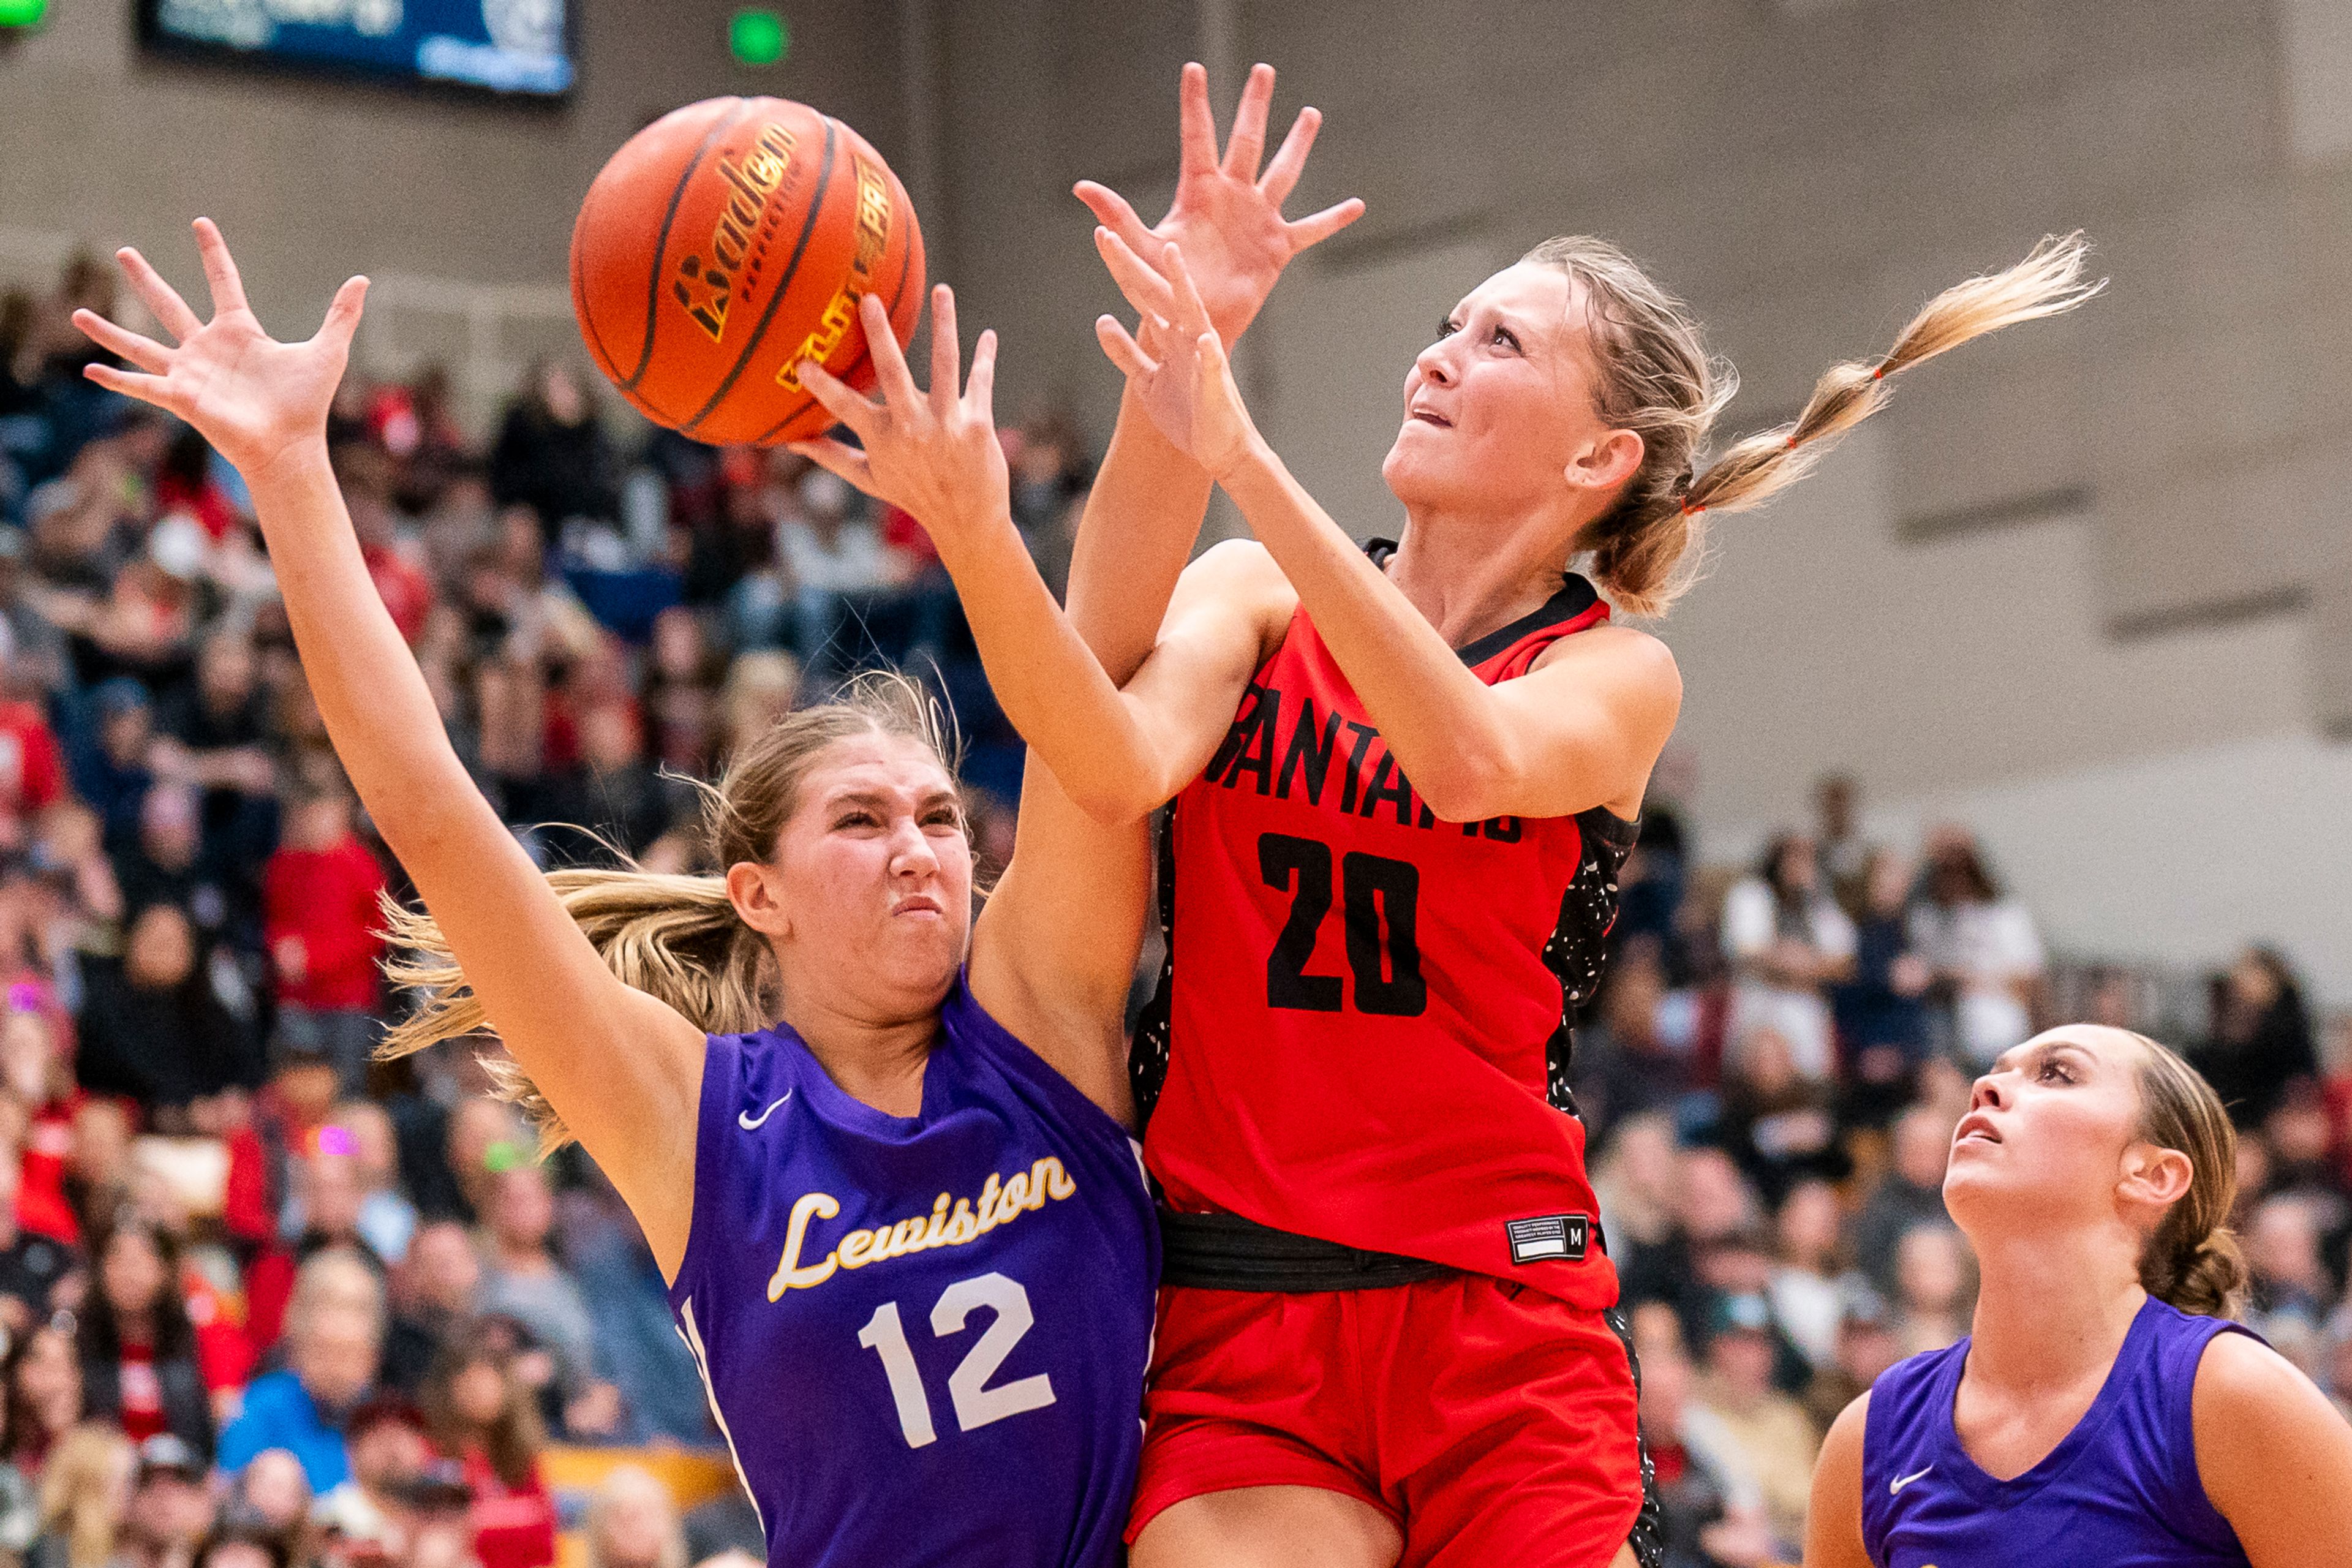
[976, 1404]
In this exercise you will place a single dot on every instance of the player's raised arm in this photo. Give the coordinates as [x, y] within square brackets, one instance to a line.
[1145, 508]
[622, 1068]
[935, 453]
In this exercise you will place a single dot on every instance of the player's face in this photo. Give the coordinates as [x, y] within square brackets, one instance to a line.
[875, 876]
[2051, 1124]
[1500, 405]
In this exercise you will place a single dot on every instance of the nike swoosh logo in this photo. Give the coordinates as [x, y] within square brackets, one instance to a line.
[1899, 1482]
[750, 1123]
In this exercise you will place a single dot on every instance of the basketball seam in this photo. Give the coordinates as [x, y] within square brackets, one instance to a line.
[783, 286]
[906, 271]
[661, 240]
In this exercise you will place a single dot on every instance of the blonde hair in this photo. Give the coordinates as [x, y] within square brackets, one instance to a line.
[676, 937]
[623, 1485]
[1657, 379]
[79, 1492]
[2192, 1259]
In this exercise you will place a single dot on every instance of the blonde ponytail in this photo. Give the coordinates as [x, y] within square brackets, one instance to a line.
[676, 937]
[1658, 379]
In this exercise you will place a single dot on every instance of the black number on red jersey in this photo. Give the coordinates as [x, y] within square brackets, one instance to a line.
[1381, 902]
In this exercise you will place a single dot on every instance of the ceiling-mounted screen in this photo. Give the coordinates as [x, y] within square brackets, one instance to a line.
[516, 46]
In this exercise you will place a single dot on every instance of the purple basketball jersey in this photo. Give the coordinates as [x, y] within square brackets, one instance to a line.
[2121, 1489]
[925, 1338]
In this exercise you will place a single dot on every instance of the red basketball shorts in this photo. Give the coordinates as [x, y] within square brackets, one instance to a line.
[1492, 1423]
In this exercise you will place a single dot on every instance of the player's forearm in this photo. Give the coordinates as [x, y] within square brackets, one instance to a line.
[1049, 683]
[372, 696]
[1134, 538]
[1436, 717]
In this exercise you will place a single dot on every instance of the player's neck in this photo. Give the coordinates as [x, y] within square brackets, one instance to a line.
[2037, 1325]
[879, 1062]
[1473, 573]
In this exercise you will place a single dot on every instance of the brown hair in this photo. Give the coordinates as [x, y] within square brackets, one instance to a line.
[1657, 379]
[2192, 1260]
[510, 1440]
[76, 1492]
[676, 937]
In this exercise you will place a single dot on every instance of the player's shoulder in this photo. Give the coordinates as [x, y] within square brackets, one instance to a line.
[2239, 1378]
[1640, 655]
[1242, 563]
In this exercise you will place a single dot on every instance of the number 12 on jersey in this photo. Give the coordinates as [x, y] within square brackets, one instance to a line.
[976, 1405]
[1383, 955]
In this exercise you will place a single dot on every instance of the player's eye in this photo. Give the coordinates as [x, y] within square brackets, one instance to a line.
[2058, 1071]
[1447, 329]
[1507, 338]
[855, 818]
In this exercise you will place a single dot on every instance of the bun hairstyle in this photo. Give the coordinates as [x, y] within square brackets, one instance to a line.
[2192, 1260]
[1657, 379]
[674, 937]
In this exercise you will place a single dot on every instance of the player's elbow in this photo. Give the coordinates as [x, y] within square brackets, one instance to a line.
[1470, 783]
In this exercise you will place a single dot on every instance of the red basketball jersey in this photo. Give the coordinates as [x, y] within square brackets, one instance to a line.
[1361, 1033]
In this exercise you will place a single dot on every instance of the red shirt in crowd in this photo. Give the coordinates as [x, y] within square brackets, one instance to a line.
[143, 1393]
[32, 776]
[514, 1527]
[326, 899]
[403, 586]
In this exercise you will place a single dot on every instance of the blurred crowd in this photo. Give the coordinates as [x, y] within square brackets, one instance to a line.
[266, 1302]
[1771, 1079]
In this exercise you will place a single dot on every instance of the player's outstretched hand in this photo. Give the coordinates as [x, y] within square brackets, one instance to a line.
[254, 399]
[1226, 216]
[932, 454]
[1177, 361]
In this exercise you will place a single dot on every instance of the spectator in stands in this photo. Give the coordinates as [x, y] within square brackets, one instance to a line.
[1811, 1286]
[1882, 1009]
[32, 769]
[31, 1266]
[1775, 1121]
[1845, 853]
[1788, 942]
[481, 1414]
[552, 454]
[1934, 1287]
[2261, 1036]
[1775, 1442]
[218, 735]
[242, 1543]
[2290, 1280]
[833, 558]
[155, 1029]
[1050, 476]
[386, 1440]
[1910, 1193]
[170, 1508]
[1866, 1346]
[321, 1215]
[321, 900]
[1711, 1511]
[1983, 947]
[1623, 1065]
[363, 1130]
[84, 1490]
[138, 1348]
[612, 794]
[274, 1494]
[523, 1279]
[334, 1333]
[434, 1294]
[633, 1524]
[43, 1379]
[115, 778]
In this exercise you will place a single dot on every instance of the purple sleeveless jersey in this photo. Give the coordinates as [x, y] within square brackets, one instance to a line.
[2121, 1489]
[925, 1338]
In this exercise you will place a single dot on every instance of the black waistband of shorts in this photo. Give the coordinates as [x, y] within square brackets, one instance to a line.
[1226, 1252]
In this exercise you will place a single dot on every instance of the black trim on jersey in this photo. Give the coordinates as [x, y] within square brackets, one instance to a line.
[1148, 1050]
[1576, 596]
[1648, 1536]
[1578, 944]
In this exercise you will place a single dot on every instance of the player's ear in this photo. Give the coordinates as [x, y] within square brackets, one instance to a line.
[2153, 1175]
[758, 901]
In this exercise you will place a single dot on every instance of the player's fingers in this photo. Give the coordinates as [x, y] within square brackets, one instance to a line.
[145, 352]
[890, 371]
[162, 300]
[947, 348]
[838, 457]
[1145, 289]
[1122, 350]
[1247, 144]
[1317, 227]
[220, 267]
[980, 393]
[1190, 315]
[343, 313]
[145, 388]
[1112, 211]
[839, 399]
[1196, 128]
[1281, 177]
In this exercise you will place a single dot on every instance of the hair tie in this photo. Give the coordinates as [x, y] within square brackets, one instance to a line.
[1793, 441]
[1878, 374]
[1690, 510]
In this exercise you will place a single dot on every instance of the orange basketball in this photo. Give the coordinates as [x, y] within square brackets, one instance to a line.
[726, 243]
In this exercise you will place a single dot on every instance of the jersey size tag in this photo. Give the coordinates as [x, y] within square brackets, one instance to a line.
[1549, 1237]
